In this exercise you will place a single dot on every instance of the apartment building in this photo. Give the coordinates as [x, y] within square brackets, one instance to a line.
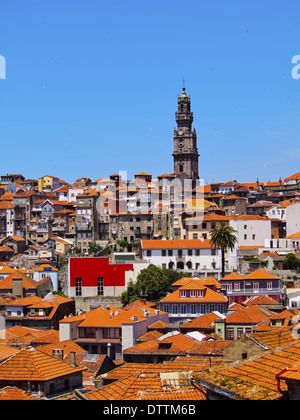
[87, 219]
[200, 226]
[132, 227]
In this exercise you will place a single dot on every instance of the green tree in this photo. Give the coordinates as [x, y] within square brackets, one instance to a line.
[151, 284]
[122, 243]
[291, 262]
[174, 275]
[94, 248]
[223, 237]
[76, 250]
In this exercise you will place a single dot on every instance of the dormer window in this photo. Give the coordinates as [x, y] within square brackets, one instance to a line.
[193, 293]
[182, 293]
[200, 293]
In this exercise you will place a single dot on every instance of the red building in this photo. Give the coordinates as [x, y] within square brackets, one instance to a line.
[97, 277]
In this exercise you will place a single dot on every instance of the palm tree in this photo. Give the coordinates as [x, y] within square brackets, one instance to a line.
[223, 237]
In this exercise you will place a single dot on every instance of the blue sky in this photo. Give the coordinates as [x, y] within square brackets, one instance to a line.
[91, 87]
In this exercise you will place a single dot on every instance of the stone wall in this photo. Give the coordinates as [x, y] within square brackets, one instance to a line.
[85, 304]
[241, 349]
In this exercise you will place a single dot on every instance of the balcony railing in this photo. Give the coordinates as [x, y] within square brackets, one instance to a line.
[260, 291]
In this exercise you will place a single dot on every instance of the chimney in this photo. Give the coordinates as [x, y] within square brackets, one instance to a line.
[58, 354]
[108, 349]
[73, 359]
[17, 287]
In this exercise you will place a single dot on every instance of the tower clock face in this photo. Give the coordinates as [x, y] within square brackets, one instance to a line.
[180, 132]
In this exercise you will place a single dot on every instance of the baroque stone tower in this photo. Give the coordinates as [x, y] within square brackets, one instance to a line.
[185, 141]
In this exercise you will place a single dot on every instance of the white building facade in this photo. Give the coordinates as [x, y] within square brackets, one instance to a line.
[182, 254]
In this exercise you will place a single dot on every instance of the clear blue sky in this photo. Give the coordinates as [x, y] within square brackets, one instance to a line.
[91, 86]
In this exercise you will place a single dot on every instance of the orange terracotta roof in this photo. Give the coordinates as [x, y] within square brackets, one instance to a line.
[7, 282]
[7, 197]
[42, 367]
[178, 343]
[26, 336]
[66, 346]
[7, 351]
[13, 393]
[292, 177]
[16, 238]
[233, 197]
[288, 203]
[274, 338]
[291, 373]
[6, 205]
[17, 331]
[64, 188]
[233, 276]
[183, 281]
[48, 266]
[184, 394]
[260, 300]
[145, 386]
[256, 378]
[260, 274]
[110, 317]
[126, 387]
[248, 217]
[180, 364]
[6, 249]
[294, 236]
[175, 244]
[206, 321]
[151, 335]
[193, 285]
[208, 295]
[249, 315]
[45, 337]
[139, 303]
[268, 324]
[250, 247]
[209, 347]
[143, 173]
[158, 325]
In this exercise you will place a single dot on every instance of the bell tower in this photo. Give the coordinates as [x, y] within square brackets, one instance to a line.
[185, 152]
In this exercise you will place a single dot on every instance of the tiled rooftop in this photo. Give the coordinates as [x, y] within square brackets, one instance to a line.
[141, 386]
[249, 315]
[180, 364]
[14, 393]
[42, 367]
[179, 344]
[278, 338]
[254, 378]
